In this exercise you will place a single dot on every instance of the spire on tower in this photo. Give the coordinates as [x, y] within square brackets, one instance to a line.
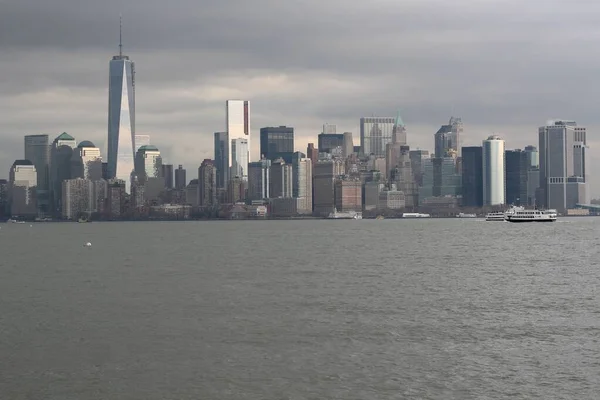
[120, 35]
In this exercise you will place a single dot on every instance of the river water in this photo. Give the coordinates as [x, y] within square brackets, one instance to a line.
[391, 309]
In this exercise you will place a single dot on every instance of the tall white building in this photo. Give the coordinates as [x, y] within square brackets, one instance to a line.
[86, 161]
[237, 117]
[121, 118]
[22, 189]
[302, 183]
[494, 180]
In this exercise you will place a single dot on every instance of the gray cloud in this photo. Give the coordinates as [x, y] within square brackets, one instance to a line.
[504, 66]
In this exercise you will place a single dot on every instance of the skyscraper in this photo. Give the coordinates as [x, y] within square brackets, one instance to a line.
[148, 163]
[61, 155]
[222, 158]
[180, 179]
[86, 162]
[167, 173]
[375, 134]
[302, 183]
[22, 189]
[121, 118]
[259, 176]
[329, 141]
[448, 138]
[281, 179]
[277, 142]
[517, 166]
[472, 176]
[237, 118]
[37, 150]
[494, 181]
[207, 184]
[563, 165]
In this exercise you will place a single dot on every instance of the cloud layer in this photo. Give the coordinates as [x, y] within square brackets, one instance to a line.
[503, 66]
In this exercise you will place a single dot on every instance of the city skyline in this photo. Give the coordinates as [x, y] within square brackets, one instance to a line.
[495, 98]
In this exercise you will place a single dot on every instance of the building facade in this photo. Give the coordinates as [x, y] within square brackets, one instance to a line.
[563, 167]
[23, 189]
[61, 155]
[472, 176]
[180, 178]
[302, 183]
[281, 179]
[86, 162]
[221, 147]
[517, 167]
[259, 178]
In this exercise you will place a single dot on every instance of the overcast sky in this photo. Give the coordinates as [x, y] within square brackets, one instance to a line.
[504, 66]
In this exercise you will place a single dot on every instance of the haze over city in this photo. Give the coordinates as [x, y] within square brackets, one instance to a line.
[504, 67]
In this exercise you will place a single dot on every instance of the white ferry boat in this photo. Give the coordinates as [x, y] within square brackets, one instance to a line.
[344, 215]
[520, 214]
[496, 216]
[463, 215]
[415, 215]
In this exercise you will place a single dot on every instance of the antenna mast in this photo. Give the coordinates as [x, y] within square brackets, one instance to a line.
[120, 35]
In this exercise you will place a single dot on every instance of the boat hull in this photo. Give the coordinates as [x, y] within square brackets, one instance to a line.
[517, 220]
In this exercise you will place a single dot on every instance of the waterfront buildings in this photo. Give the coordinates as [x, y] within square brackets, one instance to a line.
[494, 181]
[277, 142]
[22, 189]
[237, 116]
[472, 176]
[37, 150]
[78, 198]
[375, 134]
[121, 118]
[348, 195]
[563, 166]
[324, 175]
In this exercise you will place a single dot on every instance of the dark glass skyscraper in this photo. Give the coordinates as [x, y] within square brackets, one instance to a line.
[329, 141]
[517, 165]
[222, 159]
[277, 142]
[121, 118]
[472, 176]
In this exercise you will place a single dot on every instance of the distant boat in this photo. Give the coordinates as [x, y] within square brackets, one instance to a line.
[496, 216]
[415, 215]
[82, 220]
[14, 221]
[463, 215]
[344, 215]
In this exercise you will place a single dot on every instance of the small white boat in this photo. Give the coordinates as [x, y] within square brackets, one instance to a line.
[344, 215]
[415, 215]
[14, 221]
[463, 215]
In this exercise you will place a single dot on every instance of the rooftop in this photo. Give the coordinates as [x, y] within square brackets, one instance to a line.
[22, 162]
[86, 143]
[148, 147]
[64, 136]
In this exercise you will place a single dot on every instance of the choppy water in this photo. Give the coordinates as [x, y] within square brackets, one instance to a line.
[419, 309]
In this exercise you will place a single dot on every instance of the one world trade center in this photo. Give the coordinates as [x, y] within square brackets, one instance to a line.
[121, 117]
